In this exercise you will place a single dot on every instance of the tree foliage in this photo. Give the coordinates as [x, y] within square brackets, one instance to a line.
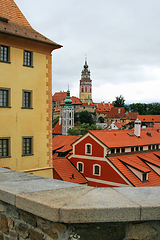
[145, 109]
[84, 117]
[119, 102]
[83, 128]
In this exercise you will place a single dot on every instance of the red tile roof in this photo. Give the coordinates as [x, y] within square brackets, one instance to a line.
[59, 96]
[116, 112]
[149, 118]
[121, 163]
[119, 124]
[120, 138]
[75, 101]
[57, 128]
[67, 171]
[14, 23]
[64, 142]
[103, 107]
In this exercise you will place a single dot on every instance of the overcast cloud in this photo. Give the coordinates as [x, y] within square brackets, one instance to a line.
[121, 39]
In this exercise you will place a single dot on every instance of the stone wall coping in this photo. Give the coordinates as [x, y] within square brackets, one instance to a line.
[67, 202]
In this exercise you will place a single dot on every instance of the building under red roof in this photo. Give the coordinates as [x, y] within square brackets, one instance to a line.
[103, 107]
[119, 158]
[149, 119]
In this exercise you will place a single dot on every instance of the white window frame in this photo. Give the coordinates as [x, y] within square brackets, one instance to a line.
[82, 167]
[97, 165]
[88, 144]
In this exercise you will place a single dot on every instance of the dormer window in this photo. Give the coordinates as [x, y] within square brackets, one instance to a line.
[144, 177]
[88, 148]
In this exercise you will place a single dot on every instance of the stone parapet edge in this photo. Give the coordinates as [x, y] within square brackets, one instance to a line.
[72, 203]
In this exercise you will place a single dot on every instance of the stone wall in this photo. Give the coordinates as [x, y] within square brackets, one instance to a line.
[36, 208]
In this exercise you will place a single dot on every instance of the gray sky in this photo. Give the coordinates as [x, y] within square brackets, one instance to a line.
[121, 39]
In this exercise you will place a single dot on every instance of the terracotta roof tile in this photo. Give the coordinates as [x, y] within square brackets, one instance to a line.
[153, 177]
[149, 118]
[18, 25]
[57, 128]
[60, 141]
[103, 107]
[67, 171]
[59, 96]
[116, 112]
[119, 138]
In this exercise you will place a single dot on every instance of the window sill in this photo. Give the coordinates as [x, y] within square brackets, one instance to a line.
[28, 66]
[5, 156]
[5, 107]
[24, 155]
[26, 108]
[5, 62]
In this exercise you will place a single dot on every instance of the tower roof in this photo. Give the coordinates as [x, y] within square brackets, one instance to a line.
[68, 100]
[13, 22]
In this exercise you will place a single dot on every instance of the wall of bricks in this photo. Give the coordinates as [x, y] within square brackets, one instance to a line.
[16, 224]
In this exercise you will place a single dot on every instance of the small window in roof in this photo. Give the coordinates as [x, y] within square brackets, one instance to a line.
[144, 177]
[130, 134]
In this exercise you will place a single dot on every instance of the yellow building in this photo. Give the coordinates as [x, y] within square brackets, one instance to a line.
[25, 94]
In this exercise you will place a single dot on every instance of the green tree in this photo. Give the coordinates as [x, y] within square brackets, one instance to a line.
[119, 102]
[83, 117]
[54, 122]
[82, 129]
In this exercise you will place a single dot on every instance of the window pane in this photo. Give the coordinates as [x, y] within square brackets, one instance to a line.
[3, 147]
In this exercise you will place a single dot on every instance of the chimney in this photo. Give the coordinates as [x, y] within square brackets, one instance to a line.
[59, 120]
[137, 128]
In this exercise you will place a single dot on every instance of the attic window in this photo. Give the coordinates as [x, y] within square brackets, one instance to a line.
[144, 177]
[130, 134]
[2, 19]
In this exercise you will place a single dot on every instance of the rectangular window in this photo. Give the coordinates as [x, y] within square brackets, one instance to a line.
[4, 97]
[132, 149]
[123, 150]
[26, 98]
[141, 148]
[4, 53]
[28, 59]
[112, 150]
[27, 146]
[117, 150]
[88, 149]
[4, 147]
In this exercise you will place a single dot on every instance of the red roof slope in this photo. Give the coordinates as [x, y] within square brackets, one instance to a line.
[121, 163]
[119, 138]
[119, 124]
[67, 171]
[59, 96]
[64, 141]
[13, 22]
[116, 112]
[57, 128]
[103, 107]
[149, 118]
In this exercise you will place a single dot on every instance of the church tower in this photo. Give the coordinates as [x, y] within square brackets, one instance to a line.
[85, 90]
[67, 114]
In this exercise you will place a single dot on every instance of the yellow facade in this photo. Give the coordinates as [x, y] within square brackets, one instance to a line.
[28, 130]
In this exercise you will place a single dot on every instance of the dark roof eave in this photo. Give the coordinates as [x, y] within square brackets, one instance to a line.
[56, 46]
